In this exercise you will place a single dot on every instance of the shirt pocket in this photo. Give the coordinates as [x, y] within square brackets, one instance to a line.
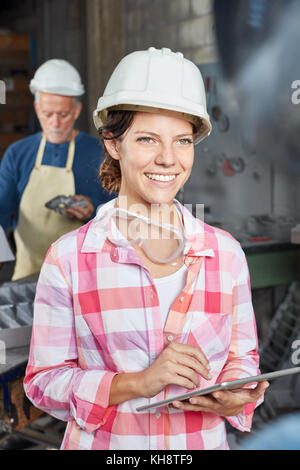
[212, 333]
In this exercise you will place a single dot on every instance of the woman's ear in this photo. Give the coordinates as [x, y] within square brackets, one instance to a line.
[112, 147]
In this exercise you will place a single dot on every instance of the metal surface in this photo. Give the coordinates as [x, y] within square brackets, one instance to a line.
[246, 193]
[278, 352]
[224, 175]
[253, 37]
[16, 312]
[45, 433]
[284, 329]
[268, 269]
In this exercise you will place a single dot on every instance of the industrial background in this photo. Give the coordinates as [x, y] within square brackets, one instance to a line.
[243, 190]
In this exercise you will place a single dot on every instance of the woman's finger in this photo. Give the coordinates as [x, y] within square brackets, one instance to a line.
[187, 406]
[193, 364]
[194, 351]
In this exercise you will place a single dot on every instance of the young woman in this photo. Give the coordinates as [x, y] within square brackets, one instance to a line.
[145, 302]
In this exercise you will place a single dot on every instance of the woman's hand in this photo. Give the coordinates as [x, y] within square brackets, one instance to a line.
[225, 402]
[178, 364]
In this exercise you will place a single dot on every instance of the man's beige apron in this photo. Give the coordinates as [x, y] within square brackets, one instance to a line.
[38, 226]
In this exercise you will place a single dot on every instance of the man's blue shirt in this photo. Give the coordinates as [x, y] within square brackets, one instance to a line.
[18, 162]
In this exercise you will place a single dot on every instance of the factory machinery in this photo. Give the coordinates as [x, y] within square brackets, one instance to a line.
[21, 424]
[280, 350]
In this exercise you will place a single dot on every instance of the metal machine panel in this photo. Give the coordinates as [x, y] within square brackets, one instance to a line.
[16, 312]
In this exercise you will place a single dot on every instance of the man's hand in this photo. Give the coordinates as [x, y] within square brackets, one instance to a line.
[225, 402]
[81, 213]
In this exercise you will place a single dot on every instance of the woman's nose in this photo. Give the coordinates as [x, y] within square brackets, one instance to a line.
[166, 155]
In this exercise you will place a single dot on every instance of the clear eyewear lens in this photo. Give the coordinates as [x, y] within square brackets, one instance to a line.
[126, 228]
[172, 257]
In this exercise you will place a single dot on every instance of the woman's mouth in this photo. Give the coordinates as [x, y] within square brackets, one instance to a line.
[161, 177]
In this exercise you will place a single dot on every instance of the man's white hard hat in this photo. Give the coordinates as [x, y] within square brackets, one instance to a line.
[156, 80]
[59, 77]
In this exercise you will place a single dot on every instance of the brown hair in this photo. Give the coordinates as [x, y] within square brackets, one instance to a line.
[117, 124]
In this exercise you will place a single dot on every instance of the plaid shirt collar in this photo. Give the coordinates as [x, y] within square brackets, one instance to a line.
[199, 239]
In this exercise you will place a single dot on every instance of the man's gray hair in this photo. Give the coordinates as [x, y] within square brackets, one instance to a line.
[37, 98]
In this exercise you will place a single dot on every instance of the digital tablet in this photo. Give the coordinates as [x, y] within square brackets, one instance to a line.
[230, 385]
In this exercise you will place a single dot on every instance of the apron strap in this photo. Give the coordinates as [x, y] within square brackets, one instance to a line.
[40, 153]
[71, 154]
[70, 158]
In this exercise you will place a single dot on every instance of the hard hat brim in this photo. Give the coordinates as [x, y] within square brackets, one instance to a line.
[202, 124]
[57, 90]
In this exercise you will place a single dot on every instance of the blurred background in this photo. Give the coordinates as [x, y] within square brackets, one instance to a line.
[246, 173]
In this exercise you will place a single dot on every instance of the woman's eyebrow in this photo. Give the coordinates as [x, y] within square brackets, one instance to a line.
[146, 132]
[187, 134]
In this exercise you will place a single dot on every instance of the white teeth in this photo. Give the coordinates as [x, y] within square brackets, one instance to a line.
[161, 177]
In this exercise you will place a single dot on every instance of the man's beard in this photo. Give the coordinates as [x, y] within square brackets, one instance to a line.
[61, 135]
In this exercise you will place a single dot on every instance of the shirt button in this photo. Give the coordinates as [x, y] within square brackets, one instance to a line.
[170, 338]
[181, 299]
[157, 415]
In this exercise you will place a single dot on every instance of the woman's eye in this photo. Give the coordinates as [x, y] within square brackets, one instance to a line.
[186, 141]
[146, 140]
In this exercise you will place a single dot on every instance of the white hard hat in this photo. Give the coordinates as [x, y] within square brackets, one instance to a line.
[155, 80]
[59, 77]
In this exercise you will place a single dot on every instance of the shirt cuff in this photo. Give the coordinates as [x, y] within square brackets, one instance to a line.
[90, 416]
[243, 421]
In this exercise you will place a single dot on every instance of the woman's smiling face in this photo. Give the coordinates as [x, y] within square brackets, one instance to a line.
[156, 156]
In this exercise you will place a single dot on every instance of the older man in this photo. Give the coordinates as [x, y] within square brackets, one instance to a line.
[60, 160]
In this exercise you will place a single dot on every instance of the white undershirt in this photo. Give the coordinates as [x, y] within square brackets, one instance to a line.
[168, 288]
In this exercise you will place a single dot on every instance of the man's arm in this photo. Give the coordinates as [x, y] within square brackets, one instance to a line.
[8, 189]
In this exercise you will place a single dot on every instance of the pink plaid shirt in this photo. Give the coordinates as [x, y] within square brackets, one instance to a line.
[97, 314]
